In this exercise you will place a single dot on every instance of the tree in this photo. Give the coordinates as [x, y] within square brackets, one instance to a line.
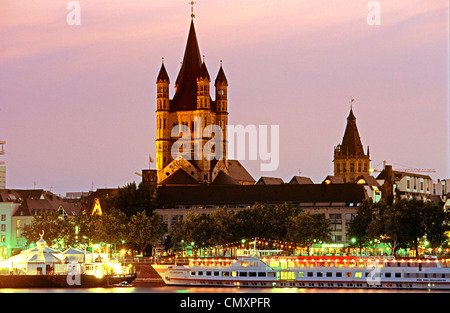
[305, 229]
[56, 229]
[403, 224]
[145, 230]
[222, 223]
[193, 228]
[131, 199]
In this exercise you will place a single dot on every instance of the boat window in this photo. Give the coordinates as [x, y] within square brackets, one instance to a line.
[387, 275]
[398, 275]
[271, 274]
[243, 274]
[348, 274]
[225, 273]
[234, 274]
[200, 273]
[310, 274]
[329, 274]
[216, 273]
[338, 274]
[208, 273]
[319, 274]
[252, 274]
[358, 275]
[192, 273]
[261, 274]
[274, 264]
[244, 264]
[301, 274]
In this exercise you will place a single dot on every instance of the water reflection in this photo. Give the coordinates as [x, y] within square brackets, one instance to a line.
[188, 289]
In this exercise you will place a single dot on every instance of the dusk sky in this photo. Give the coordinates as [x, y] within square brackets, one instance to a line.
[77, 103]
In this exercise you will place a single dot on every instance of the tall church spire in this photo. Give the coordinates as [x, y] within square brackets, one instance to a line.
[186, 83]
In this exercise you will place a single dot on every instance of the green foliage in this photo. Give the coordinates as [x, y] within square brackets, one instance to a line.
[224, 226]
[132, 199]
[306, 229]
[145, 230]
[403, 224]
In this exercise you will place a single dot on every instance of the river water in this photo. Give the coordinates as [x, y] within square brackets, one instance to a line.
[212, 290]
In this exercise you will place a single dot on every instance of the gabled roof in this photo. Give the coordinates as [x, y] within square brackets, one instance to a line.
[301, 180]
[180, 177]
[264, 180]
[333, 180]
[224, 179]
[238, 172]
[367, 180]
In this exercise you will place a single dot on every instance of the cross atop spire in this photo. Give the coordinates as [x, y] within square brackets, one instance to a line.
[192, 9]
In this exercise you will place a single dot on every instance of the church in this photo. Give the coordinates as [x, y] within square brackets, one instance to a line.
[192, 110]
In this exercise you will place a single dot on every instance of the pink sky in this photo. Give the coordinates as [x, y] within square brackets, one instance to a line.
[77, 103]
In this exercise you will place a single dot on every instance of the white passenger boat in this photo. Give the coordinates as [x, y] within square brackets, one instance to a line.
[266, 268]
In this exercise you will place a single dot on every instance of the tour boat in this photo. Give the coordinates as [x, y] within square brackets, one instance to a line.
[267, 268]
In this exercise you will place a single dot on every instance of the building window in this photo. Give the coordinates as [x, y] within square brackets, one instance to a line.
[3, 227]
[3, 217]
[352, 167]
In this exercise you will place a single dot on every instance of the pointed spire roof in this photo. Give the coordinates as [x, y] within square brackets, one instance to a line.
[351, 142]
[204, 74]
[221, 79]
[186, 84]
[162, 76]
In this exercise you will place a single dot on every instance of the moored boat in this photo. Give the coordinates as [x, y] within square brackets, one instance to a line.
[266, 268]
[42, 267]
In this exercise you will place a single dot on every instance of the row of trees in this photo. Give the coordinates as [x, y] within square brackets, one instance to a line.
[129, 216]
[279, 222]
[403, 224]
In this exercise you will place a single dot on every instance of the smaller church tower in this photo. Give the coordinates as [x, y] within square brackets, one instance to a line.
[221, 85]
[350, 161]
[163, 156]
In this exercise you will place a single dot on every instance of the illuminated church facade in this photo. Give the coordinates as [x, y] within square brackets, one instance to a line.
[192, 109]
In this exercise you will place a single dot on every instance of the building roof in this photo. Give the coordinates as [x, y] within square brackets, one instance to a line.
[204, 74]
[351, 142]
[367, 180]
[333, 180]
[267, 194]
[398, 175]
[163, 76]
[180, 177]
[224, 179]
[238, 172]
[300, 180]
[185, 97]
[264, 180]
[221, 79]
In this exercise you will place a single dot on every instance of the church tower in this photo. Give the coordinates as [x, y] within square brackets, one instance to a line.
[350, 161]
[192, 109]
